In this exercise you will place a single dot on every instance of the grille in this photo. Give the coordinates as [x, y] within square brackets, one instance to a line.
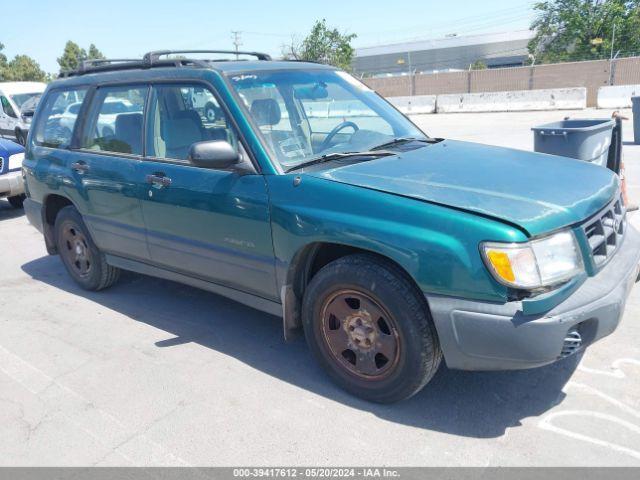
[1, 163]
[606, 231]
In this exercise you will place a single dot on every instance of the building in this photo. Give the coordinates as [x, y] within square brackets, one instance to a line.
[453, 52]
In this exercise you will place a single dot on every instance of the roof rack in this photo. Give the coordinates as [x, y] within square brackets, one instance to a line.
[97, 61]
[151, 58]
[102, 65]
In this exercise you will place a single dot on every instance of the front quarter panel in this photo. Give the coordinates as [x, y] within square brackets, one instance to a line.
[436, 245]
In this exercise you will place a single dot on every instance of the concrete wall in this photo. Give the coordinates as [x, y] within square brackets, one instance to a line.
[590, 75]
[415, 105]
[617, 96]
[553, 99]
[523, 100]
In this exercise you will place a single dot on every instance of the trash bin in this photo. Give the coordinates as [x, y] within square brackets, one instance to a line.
[584, 139]
[636, 119]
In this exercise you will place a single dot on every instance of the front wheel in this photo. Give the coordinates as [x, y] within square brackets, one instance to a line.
[370, 329]
[83, 260]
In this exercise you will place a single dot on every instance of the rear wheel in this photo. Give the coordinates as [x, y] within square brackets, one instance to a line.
[370, 329]
[83, 260]
[17, 201]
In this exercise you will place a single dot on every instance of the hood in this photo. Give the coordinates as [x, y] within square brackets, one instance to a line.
[537, 192]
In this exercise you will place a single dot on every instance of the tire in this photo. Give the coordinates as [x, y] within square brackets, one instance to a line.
[83, 260]
[17, 201]
[210, 112]
[21, 137]
[331, 316]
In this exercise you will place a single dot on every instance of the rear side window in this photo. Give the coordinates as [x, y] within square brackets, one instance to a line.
[115, 124]
[56, 121]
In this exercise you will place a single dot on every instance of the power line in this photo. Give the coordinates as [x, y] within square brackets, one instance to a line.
[267, 34]
[475, 22]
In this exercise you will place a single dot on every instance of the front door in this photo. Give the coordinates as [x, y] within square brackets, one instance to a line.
[210, 224]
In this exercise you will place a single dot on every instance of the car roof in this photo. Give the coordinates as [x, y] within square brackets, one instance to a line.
[13, 88]
[141, 74]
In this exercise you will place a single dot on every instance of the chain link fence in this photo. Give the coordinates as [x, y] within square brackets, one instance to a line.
[589, 74]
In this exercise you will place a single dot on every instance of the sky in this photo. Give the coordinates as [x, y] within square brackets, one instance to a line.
[129, 28]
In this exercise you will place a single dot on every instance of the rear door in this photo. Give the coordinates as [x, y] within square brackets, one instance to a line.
[210, 224]
[106, 169]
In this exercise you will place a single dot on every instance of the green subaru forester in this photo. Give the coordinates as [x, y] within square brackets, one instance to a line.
[295, 189]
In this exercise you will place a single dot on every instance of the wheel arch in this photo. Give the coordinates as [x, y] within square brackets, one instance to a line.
[51, 206]
[308, 261]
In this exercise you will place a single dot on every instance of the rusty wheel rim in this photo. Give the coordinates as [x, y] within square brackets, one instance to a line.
[76, 250]
[360, 334]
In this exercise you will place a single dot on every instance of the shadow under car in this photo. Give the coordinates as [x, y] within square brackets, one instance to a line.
[472, 404]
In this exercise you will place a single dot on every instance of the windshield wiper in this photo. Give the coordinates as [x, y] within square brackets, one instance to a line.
[401, 140]
[340, 155]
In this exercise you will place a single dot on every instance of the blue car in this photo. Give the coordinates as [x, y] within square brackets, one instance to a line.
[11, 183]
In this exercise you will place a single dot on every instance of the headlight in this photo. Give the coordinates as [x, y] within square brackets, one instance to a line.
[15, 161]
[535, 264]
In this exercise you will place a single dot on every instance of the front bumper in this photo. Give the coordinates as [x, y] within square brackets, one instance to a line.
[491, 336]
[11, 184]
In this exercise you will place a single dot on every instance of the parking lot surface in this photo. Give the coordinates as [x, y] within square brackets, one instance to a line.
[151, 372]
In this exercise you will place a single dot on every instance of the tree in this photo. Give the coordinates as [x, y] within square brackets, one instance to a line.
[573, 30]
[24, 69]
[72, 57]
[323, 45]
[3, 59]
[21, 68]
[94, 53]
[478, 65]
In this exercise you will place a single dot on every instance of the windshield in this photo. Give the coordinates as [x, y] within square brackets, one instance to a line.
[20, 98]
[307, 114]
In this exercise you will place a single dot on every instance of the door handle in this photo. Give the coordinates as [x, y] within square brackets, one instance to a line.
[80, 167]
[158, 179]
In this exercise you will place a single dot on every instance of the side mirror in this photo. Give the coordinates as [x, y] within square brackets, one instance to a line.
[216, 154]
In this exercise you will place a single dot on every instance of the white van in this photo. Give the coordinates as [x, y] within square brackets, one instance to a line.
[17, 103]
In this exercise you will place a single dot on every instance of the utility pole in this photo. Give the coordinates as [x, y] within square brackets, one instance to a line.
[611, 64]
[411, 75]
[237, 41]
[613, 40]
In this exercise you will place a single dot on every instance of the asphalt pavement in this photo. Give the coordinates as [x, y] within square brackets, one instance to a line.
[151, 372]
